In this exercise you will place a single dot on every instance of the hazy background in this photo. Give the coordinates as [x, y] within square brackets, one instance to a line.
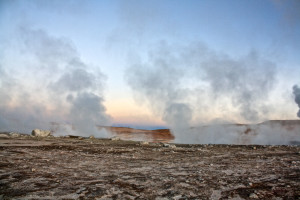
[147, 64]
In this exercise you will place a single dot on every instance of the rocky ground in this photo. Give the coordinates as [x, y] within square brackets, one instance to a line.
[89, 168]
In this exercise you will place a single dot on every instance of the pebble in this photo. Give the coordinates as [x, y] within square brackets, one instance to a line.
[253, 196]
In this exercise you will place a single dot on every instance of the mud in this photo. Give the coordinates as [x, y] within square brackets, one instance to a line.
[82, 168]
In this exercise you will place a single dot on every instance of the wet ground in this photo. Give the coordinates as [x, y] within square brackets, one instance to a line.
[79, 168]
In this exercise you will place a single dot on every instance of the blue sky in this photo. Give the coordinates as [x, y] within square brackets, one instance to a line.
[112, 37]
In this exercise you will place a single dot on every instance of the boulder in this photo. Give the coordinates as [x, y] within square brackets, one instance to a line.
[41, 133]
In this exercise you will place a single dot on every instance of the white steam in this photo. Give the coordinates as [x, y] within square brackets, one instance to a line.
[176, 81]
[49, 87]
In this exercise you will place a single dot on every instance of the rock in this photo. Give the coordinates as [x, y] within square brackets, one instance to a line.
[105, 197]
[169, 145]
[92, 137]
[41, 133]
[216, 194]
[144, 143]
[236, 197]
[177, 197]
[161, 198]
[14, 134]
[253, 196]
[2, 135]
[115, 138]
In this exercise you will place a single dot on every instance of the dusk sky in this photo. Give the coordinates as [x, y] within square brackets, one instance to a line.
[136, 61]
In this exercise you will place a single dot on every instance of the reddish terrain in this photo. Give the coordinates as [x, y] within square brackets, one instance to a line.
[125, 133]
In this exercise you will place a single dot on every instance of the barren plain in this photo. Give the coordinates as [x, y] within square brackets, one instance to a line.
[89, 168]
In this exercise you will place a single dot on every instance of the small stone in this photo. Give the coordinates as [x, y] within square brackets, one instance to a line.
[253, 196]
[14, 134]
[177, 197]
[92, 137]
[144, 143]
[169, 145]
[216, 194]
[115, 138]
[105, 197]
[161, 198]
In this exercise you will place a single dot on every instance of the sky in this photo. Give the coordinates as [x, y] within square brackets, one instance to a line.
[147, 63]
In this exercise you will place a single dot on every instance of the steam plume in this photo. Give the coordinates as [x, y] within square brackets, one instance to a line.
[53, 84]
[242, 83]
[296, 92]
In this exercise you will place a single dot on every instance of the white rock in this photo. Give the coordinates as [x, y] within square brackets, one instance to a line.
[169, 145]
[14, 134]
[161, 198]
[2, 135]
[144, 143]
[115, 138]
[253, 196]
[216, 194]
[41, 133]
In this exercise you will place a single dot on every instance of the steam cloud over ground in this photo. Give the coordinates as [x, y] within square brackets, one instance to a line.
[67, 94]
[181, 83]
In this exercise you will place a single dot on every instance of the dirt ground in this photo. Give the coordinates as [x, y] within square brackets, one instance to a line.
[83, 168]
